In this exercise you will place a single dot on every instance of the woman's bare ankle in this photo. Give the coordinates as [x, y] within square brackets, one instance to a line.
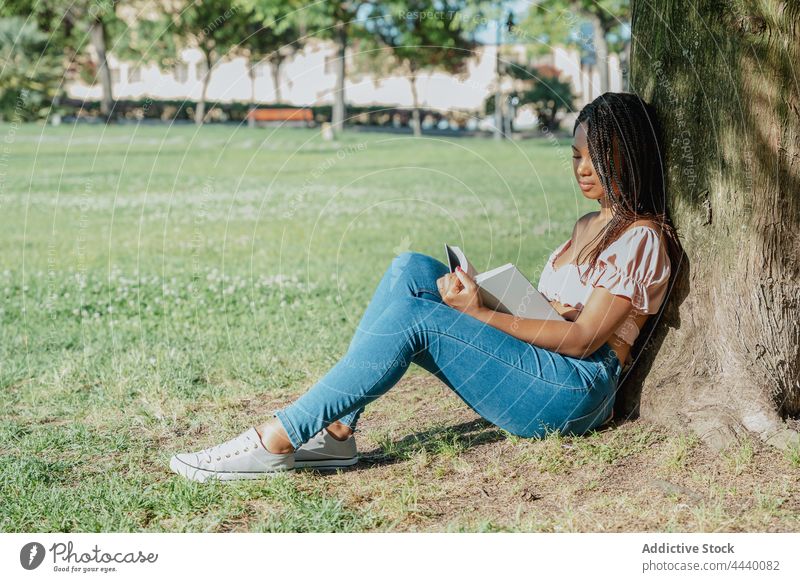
[274, 438]
[339, 431]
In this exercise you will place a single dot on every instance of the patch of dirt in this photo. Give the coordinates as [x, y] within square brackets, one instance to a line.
[429, 463]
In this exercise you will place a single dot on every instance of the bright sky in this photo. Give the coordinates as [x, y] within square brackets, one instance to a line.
[518, 7]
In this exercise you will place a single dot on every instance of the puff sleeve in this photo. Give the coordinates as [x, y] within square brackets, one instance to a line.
[636, 266]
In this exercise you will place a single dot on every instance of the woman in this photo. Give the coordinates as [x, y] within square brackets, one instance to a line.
[526, 376]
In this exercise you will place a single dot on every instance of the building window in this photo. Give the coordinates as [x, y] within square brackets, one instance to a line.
[135, 75]
[181, 72]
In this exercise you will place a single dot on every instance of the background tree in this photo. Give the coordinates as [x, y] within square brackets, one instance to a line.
[543, 89]
[334, 20]
[727, 360]
[501, 18]
[29, 74]
[558, 22]
[273, 35]
[214, 27]
[419, 36]
[97, 17]
[70, 30]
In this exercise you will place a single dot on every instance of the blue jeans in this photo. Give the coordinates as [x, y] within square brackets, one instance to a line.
[522, 388]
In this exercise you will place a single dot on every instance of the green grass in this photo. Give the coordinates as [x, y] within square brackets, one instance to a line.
[162, 286]
[165, 288]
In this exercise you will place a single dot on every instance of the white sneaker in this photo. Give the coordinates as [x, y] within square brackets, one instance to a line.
[243, 457]
[325, 452]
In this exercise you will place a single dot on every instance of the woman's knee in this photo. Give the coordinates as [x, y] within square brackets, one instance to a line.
[414, 314]
[423, 320]
[416, 307]
[413, 259]
[419, 267]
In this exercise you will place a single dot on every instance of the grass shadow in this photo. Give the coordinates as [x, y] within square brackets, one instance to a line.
[437, 441]
[441, 441]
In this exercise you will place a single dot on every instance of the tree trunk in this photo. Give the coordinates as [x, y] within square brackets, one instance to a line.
[251, 120]
[625, 67]
[508, 118]
[415, 117]
[275, 69]
[97, 34]
[498, 88]
[337, 121]
[600, 50]
[586, 83]
[724, 360]
[200, 114]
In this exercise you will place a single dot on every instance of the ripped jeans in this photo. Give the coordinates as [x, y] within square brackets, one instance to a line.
[519, 387]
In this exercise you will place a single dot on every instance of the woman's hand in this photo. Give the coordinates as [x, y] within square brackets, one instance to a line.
[459, 291]
[567, 312]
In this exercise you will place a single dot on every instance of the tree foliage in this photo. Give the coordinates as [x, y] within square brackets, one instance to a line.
[30, 73]
[422, 35]
[543, 89]
[274, 33]
[217, 28]
[60, 34]
[559, 22]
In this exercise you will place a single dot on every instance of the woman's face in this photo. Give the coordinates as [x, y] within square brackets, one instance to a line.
[587, 178]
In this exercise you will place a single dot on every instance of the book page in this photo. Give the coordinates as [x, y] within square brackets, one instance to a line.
[505, 288]
[456, 257]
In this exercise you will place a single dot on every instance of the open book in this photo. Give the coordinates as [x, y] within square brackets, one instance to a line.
[505, 288]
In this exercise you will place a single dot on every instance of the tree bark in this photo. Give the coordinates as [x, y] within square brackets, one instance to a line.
[251, 120]
[200, 114]
[97, 34]
[600, 50]
[498, 87]
[724, 360]
[275, 68]
[415, 117]
[586, 83]
[337, 118]
[625, 67]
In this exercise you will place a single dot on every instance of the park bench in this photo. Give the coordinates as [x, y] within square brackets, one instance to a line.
[283, 115]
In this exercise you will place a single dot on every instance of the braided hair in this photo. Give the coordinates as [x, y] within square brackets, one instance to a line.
[624, 139]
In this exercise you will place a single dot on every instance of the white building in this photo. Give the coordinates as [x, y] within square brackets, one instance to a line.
[308, 79]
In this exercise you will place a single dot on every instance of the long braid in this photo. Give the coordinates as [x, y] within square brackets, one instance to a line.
[624, 139]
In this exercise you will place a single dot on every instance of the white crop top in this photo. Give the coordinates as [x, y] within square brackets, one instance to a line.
[636, 266]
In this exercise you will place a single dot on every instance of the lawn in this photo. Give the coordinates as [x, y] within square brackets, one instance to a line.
[165, 288]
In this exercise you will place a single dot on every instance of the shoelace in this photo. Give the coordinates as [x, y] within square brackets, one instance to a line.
[213, 450]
